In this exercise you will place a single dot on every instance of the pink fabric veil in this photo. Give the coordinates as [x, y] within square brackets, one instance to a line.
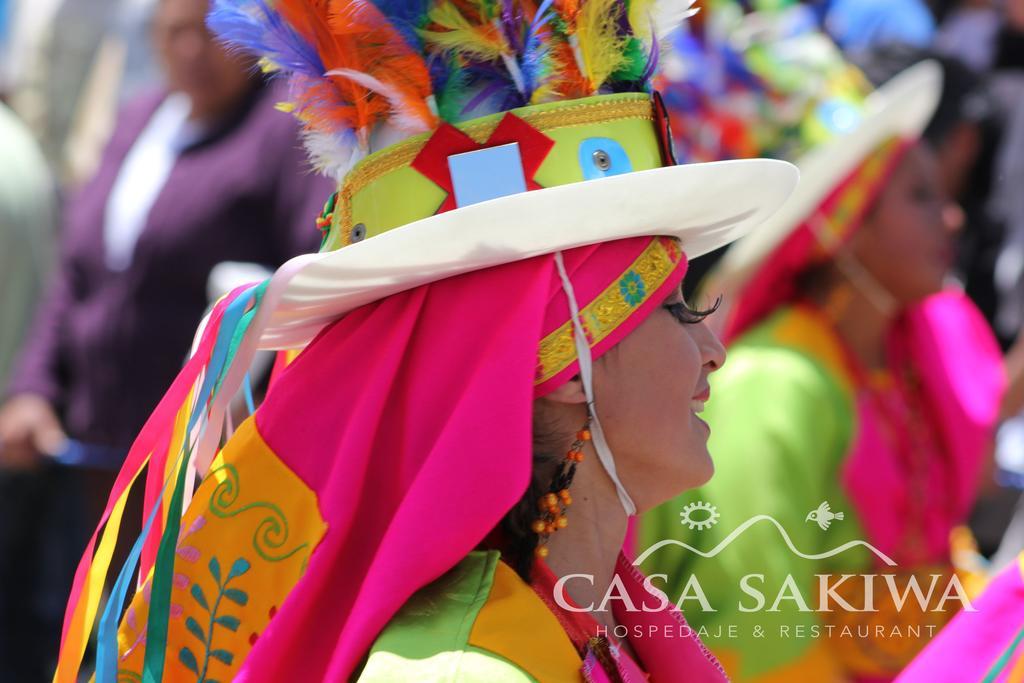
[411, 420]
[969, 647]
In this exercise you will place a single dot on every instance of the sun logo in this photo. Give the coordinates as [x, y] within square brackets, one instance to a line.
[703, 521]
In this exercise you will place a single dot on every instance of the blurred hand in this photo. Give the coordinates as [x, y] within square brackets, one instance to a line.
[29, 430]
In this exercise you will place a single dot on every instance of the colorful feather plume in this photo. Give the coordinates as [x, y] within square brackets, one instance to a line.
[756, 83]
[354, 66]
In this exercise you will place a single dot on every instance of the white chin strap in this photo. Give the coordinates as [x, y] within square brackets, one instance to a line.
[852, 269]
[868, 285]
[604, 453]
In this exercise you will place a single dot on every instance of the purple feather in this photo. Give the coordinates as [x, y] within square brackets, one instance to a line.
[496, 87]
[624, 28]
[254, 27]
[652, 59]
[511, 25]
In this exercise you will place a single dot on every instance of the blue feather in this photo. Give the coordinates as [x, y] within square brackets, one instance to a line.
[535, 51]
[407, 17]
[253, 26]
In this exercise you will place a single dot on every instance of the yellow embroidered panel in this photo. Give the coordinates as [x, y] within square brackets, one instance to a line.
[543, 649]
[245, 541]
[611, 307]
[806, 329]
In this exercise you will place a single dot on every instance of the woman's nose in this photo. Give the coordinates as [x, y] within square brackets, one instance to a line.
[711, 349]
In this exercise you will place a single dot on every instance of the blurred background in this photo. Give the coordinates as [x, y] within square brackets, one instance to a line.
[137, 158]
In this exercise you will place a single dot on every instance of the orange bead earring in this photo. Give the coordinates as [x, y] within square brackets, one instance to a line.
[553, 504]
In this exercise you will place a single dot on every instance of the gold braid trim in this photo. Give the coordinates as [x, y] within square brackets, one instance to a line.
[610, 308]
[833, 226]
[402, 154]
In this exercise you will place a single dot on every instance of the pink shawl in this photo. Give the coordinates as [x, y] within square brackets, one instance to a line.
[411, 420]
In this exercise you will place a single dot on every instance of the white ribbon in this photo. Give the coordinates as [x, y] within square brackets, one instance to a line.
[604, 453]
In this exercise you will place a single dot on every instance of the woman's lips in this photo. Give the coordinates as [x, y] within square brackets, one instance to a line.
[698, 401]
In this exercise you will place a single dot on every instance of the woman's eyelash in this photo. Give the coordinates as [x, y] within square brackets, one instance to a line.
[682, 312]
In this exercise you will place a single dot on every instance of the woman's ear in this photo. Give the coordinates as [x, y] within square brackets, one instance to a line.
[570, 392]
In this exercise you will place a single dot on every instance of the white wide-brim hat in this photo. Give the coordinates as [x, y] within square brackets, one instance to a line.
[901, 108]
[705, 206]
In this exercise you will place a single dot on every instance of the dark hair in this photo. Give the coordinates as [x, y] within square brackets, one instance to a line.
[518, 539]
[813, 279]
[964, 98]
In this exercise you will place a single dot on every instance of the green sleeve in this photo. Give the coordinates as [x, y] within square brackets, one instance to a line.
[427, 641]
[469, 665]
[781, 427]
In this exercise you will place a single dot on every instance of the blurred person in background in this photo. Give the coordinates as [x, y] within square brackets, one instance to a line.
[202, 172]
[1007, 201]
[868, 391]
[27, 228]
[842, 346]
[66, 68]
[965, 136]
[27, 222]
[966, 133]
[968, 30]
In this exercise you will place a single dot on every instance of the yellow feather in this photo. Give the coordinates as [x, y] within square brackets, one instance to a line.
[545, 92]
[600, 47]
[640, 12]
[461, 36]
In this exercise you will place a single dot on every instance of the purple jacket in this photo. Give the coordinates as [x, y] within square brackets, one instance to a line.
[105, 345]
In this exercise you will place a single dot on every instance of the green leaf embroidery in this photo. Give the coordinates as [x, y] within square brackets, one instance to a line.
[188, 659]
[193, 626]
[215, 569]
[197, 594]
[232, 623]
[239, 597]
[229, 622]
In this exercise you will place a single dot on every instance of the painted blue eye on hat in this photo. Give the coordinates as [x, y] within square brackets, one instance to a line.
[465, 136]
[600, 157]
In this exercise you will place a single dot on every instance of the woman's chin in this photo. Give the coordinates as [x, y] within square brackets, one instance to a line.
[926, 286]
[699, 467]
[706, 471]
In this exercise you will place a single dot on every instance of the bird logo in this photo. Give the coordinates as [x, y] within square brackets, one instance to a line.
[823, 515]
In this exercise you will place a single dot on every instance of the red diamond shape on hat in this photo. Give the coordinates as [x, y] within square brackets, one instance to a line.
[432, 161]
